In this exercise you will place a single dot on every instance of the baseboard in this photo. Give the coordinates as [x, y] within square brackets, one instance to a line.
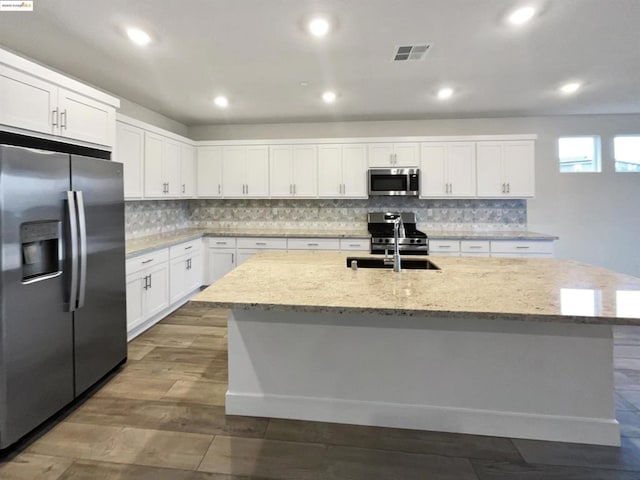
[597, 431]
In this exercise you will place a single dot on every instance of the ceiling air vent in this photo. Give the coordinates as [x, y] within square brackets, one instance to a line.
[411, 52]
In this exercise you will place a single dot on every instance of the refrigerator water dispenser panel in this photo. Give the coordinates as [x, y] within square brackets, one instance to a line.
[40, 243]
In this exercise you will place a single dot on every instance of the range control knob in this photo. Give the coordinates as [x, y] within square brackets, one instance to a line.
[418, 240]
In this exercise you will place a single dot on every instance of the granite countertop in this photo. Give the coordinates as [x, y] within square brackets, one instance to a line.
[140, 245]
[543, 290]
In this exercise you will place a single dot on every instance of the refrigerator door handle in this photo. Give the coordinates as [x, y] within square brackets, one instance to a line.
[73, 231]
[82, 226]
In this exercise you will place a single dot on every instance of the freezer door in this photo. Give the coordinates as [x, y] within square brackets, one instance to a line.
[100, 320]
[36, 329]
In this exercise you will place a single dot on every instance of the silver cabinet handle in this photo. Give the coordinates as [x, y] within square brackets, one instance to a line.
[184, 190]
[221, 243]
[451, 188]
[147, 261]
[294, 188]
[149, 280]
[232, 259]
[445, 246]
[82, 227]
[54, 118]
[189, 247]
[168, 187]
[247, 189]
[475, 246]
[313, 244]
[522, 246]
[219, 189]
[504, 188]
[290, 189]
[508, 188]
[63, 119]
[354, 244]
[73, 231]
[261, 243]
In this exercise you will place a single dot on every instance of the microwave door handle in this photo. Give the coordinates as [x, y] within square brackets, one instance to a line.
[73, 233]
[82, 226]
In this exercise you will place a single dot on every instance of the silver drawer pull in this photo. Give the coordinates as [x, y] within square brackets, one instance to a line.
[187, 248]
[444, 246]
[522, 246]
[221, 243]
[260, 243]
[355, 244]
[147, 261]
[475, 246]
[312, 244]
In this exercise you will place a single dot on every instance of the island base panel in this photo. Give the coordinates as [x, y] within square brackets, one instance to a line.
[517, 379]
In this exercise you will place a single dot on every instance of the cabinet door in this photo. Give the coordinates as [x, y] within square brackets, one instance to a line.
[280, 168]
[433, 179]
[193, 279]
[221, 262]
[86, 119]
[27, 102]
[381, 155]
[489, 169]
[156, 296]
[354, 171]
[461, 169]
[187, 170]
[256, 172]
[135, 291]
[406, 155]
[330, 171]
[519, 168]
[154, 182]
[178, 271]
[305, 171]
[171, 167]
[130, 152]
[209, 168]
[233, 171]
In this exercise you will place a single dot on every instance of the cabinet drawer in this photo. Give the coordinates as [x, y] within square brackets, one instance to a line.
[521, 246]
[362, 244]
[444, 246]
[313, 244]
[147, 260]
[191, 246]
[262, 243]
[221, 242]
[474, 246]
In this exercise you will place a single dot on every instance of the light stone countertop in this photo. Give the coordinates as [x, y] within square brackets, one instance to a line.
[149, 243]
[539, 290]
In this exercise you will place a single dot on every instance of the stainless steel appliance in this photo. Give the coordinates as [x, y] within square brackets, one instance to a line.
[411, 241]
[394, 181]
[62, 290]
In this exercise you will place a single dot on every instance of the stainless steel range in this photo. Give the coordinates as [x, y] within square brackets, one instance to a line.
[411, 242]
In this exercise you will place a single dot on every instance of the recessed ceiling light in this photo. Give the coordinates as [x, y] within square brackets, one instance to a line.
[445, 93]
[319, 26]
[522, 15]
[138, 36]
[329, 97]
[569, 88]
[221, 101]
[304, 84]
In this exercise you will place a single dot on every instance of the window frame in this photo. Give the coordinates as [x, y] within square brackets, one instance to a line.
[597, 153]
[613, 148]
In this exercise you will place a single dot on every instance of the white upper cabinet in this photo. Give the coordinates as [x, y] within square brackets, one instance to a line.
[394, 154]
[209, 172]
[130, 151]
[83, 118]
[161, 167]
[245, 171]
[187, 170]
[342, 171]
[293, 171]
[448, 169]
[27, 102]
[36, 104]
[506, 169]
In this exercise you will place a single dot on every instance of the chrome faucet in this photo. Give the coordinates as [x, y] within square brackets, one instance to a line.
[397, 225]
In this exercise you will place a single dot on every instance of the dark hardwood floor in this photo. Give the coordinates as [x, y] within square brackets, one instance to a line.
[162, 417]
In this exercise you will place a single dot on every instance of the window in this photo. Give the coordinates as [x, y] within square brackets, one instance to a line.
[626, 151]
[579, 154]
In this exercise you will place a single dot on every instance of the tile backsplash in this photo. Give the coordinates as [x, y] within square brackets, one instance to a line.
[149, 217]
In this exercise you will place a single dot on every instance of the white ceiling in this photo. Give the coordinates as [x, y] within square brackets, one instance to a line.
[256, 52]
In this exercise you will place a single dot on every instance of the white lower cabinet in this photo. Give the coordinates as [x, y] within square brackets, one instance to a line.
[147, 287]
[221, 257]
[492, 248]
[185, 269]
[314, 244]
[249, 246]
[361, 245]
[444, 248]
[522, 248]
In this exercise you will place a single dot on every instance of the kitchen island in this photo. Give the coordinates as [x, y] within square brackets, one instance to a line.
[492, 346]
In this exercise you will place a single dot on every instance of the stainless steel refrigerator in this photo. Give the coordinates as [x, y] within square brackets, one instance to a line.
[62, 290]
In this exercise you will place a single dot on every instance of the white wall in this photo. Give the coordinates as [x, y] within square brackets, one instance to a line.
[143, 114]
[596, 216]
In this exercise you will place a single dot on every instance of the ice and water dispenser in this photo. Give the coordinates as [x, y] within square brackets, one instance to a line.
[40, 244]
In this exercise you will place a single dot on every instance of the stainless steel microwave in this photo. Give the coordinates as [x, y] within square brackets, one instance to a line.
[394, 181]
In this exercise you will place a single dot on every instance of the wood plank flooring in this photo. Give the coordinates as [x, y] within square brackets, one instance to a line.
[162, 417]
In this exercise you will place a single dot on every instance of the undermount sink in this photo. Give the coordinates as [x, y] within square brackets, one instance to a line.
[406, 263]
